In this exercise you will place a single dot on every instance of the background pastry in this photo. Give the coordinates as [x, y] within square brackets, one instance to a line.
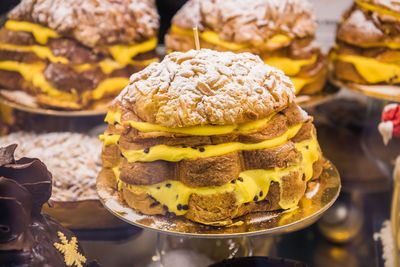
[74, 160]
[210, 136]
[280, 32]
[72, 54]
[368, 43]
[28, 238]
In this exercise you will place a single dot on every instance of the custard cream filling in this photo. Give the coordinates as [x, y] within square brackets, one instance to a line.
[203, 130]
[371, 69]
[213, 38]
[174, 154]
[253, 185]
[41, 33]
[299, 83]
[390, 45]
[378, 9]
[34, 73]
[289, 66]
[122, 54]
[44, 52]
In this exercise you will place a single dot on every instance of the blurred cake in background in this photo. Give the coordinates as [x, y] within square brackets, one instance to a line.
[74, 160]
[75, 54]
[28, 238]
[280, 32]
[368, 43]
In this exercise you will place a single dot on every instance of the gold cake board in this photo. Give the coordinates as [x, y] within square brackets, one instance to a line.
[385, 92]
[22, 101]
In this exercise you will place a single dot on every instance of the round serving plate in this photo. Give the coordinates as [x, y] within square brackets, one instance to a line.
[318, 198]
[22, 101]
[385, 92]
[309, 101]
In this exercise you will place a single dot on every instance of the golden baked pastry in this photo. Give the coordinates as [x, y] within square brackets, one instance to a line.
[74, 54]
[210, 136]
[368, 43]
[280, 32]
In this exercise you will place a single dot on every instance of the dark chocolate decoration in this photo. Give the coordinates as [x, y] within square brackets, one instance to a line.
[15, 207]
[27, 237]
[34, 176]
[7, 154]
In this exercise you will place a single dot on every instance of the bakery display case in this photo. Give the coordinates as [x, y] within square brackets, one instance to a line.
[199, 133]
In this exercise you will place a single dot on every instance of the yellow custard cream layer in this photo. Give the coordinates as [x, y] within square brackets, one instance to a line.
[213, 38]
[34, 73]
[107, 65]
[300, 83]
[253, 185]
[41, 33]
[205, 130]
[174, 154]
[378, 9]
[43, 52]
[289, 66]
[122, 54]
[372, 70]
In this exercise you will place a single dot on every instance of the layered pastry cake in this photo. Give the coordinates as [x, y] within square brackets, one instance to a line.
[74, 160]
[209, 136]
[28, 238]
[368, 43]
[280, 32]
[74, 54]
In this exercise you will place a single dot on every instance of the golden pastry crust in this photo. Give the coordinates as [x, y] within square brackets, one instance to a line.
[221, 208]
[361, 27]
[206, 87]
[248, 21]
[93, 23]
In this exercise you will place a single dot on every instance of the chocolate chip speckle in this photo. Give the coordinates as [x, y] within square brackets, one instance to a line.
[179, 207]
[255, 198]
[202, 149]
[185, 207]
[261, 193]
[147, 150]
[240, 179]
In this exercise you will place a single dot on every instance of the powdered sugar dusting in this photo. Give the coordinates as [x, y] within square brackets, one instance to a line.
[93, 22]
[249, 21]
[362, 29]
[385, 235]
[207, 87]
[265, 218]
[73, 159]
